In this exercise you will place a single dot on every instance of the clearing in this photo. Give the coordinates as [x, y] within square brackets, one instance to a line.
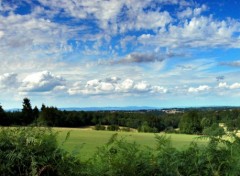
[85, 141]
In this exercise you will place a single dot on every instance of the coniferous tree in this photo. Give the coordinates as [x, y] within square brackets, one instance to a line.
[27, 112]
[35, 112]
[3, 117]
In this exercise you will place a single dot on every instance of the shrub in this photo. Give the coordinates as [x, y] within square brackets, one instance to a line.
[214, 130]
[99, 127]
[34, 151]
[119, 157]
[113, 128]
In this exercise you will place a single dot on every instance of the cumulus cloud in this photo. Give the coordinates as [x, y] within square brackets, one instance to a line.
[159, 89]
[8, 80]
[223, 85]
[201, 88]
[41, 82]
[107, 86]
[235, 86]
[126, 86]
[227, 86]
[142, 86]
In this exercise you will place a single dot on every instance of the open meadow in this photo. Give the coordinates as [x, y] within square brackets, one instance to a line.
[85, 141]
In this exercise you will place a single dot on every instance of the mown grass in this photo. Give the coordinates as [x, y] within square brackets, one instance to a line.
[84, 142]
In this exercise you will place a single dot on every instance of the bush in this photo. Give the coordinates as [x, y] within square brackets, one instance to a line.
[34, 151]
[99, 127]
[214, 130]
[119, 157]
[113, 128]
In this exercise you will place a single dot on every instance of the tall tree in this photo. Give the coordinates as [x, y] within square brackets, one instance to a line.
[35, 112]
[27, 112]
[3, 117]
[190, 123]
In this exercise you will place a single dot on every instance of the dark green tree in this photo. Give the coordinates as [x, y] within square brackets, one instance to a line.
[190, 123]
[3, 117]
[51, 116]
[35, 112]
[27, 112]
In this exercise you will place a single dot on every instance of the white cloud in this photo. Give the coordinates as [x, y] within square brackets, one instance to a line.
[190, 12]
[142, 86]
[201, 88]
[108, 14]
[41, 82]
[223, 85]
[235, 86]
[196, 32]
[159, 89]
[127, 86]
[152, 20]
[104, 86]
[186, 13]
[1, 34]
[28, 38]
[226, 86]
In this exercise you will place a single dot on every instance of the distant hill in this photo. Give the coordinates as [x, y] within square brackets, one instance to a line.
[127, 108]
[138, 108]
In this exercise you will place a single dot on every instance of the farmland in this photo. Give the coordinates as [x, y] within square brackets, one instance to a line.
[85, 141]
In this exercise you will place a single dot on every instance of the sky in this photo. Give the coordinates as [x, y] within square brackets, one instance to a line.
[108, 53]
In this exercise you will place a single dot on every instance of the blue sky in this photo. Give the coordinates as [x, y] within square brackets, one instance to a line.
[161, 53]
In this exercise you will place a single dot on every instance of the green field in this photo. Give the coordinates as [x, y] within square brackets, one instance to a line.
[86, 141]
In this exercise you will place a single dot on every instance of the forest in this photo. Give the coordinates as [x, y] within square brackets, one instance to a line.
[189, 121]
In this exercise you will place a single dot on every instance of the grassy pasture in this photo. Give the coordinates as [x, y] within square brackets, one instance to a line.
[86, 141]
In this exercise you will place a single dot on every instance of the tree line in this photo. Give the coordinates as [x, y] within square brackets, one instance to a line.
[190, 121]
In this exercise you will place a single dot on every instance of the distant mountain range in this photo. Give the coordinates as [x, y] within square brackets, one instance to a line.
[135, 108]
[127, 108]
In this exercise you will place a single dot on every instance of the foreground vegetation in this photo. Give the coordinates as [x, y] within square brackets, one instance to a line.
[35, 151]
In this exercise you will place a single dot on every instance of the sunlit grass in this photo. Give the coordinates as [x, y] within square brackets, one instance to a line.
[86, 141]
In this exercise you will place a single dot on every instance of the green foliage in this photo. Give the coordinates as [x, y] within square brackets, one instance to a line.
[119, 157]
[51, 116]
[113, 128]
[146, 128]
[99, 127]
[27, 112]
[214, 130]
[34, 151]
[191, 123]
